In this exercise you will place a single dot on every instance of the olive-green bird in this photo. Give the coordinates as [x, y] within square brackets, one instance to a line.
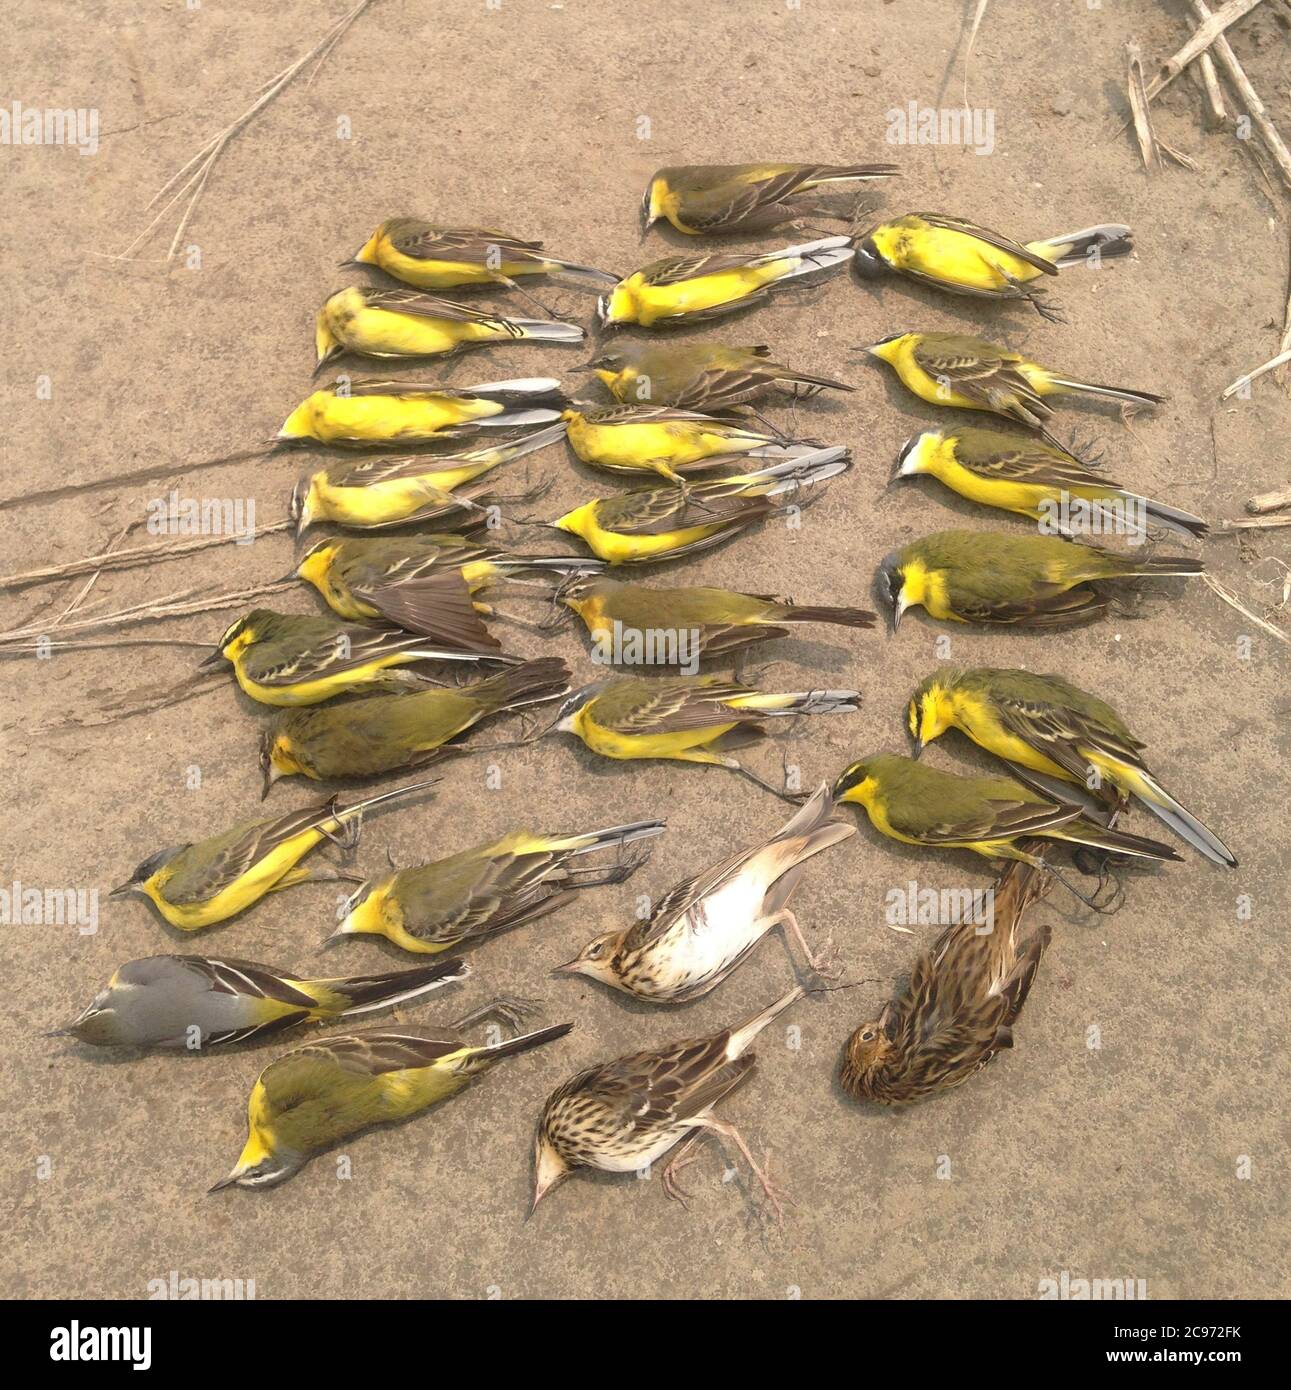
[623, 617]
[489, 888]
[701, 199]
[1020, 581]
[289, 659]
[425, 584]
[920, 805]
[196, 1003]
[1052, 728]
[326, 1091]
[199, 883]
[951, 253]
[701, 376]
[1035, 479]
[361, 738]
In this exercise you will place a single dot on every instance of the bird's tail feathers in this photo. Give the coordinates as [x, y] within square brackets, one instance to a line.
[1161, 565]
[602, 839]
[801, 470]
[548, 330]
[514, 419]
[1111, 239]
[1175, 519]
[816, 613]
[1115, 393]
[587, 272]
[512, 1047]
[546, 678]
[742, 1036]
[360, 994]
[1084, 832]
[815, 257]
[1154, 797]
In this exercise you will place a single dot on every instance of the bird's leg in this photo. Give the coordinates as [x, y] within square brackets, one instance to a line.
[793, 798]
[1105, 906]
[775, 1195]
[510, 1009]
[525, 295]
[528, 624]
[683, 1158]
[1048, 309]
[628, 860]
[826, 964]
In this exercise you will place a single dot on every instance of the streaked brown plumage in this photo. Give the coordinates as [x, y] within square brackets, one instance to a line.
[624, 1115]
[958, 1007]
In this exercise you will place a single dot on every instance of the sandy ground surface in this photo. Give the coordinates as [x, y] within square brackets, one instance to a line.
[1118, 1160]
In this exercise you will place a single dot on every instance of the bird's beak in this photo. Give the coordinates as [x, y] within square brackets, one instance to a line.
[583, 367]
[918, 747]
[330, 355]
[898, 608]
[288, 577]
[569, 968]
[122, 890]
[225, 1182]
[271, 775]
[339, 934]
[212, 662]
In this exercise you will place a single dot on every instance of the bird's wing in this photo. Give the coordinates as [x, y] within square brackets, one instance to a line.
[432, 307]
[985, 234]
[470, 892]
[646, 415]
[675, 270]
[379, 1051]
[204, 870]
[423, 242]
[347, 647]
[989, 813]
[655, 511]
[374, 471]
[649, 1092]
[1028, 461]
[394, 386]
[668, 707]
[735, 202]
[723, 385]
[245, 978]
[1061, 733]
[437, 604]
[679, 900]
[985, 377]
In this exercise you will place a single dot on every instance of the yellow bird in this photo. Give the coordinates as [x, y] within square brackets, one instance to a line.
[490, 888]
[401, 323]
[953, 254]
[1020, 580]
[689, 719]
[920, 805]
[287, 659]
[364, 738]
[972, 374]
[668, 441]
[1036, 479]
[404, 412]
[1051, 727]
[664, 523]
[437, 258]
[422, 583]
[313, 1097]
[379, 492]
[198, 884]
[695, 288]
[699, 199]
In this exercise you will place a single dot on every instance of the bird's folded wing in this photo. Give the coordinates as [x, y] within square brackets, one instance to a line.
[675, 270]
[204, 870]
[680, 899]
[985, 234]
[406, 390]
[1061, 734]
[430, 306]
[378, 1052]
[438, 605]
[667, 707]
[1035, 463]
[987, 379]
[426, 243]
[734, 202]
[652, 1091]
[988, 817]
[244, 977]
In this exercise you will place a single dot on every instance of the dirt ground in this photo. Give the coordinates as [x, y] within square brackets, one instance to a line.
[1137, 1130]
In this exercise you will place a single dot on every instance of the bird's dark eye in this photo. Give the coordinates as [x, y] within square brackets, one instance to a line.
[594, 951]
[868, 1035]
